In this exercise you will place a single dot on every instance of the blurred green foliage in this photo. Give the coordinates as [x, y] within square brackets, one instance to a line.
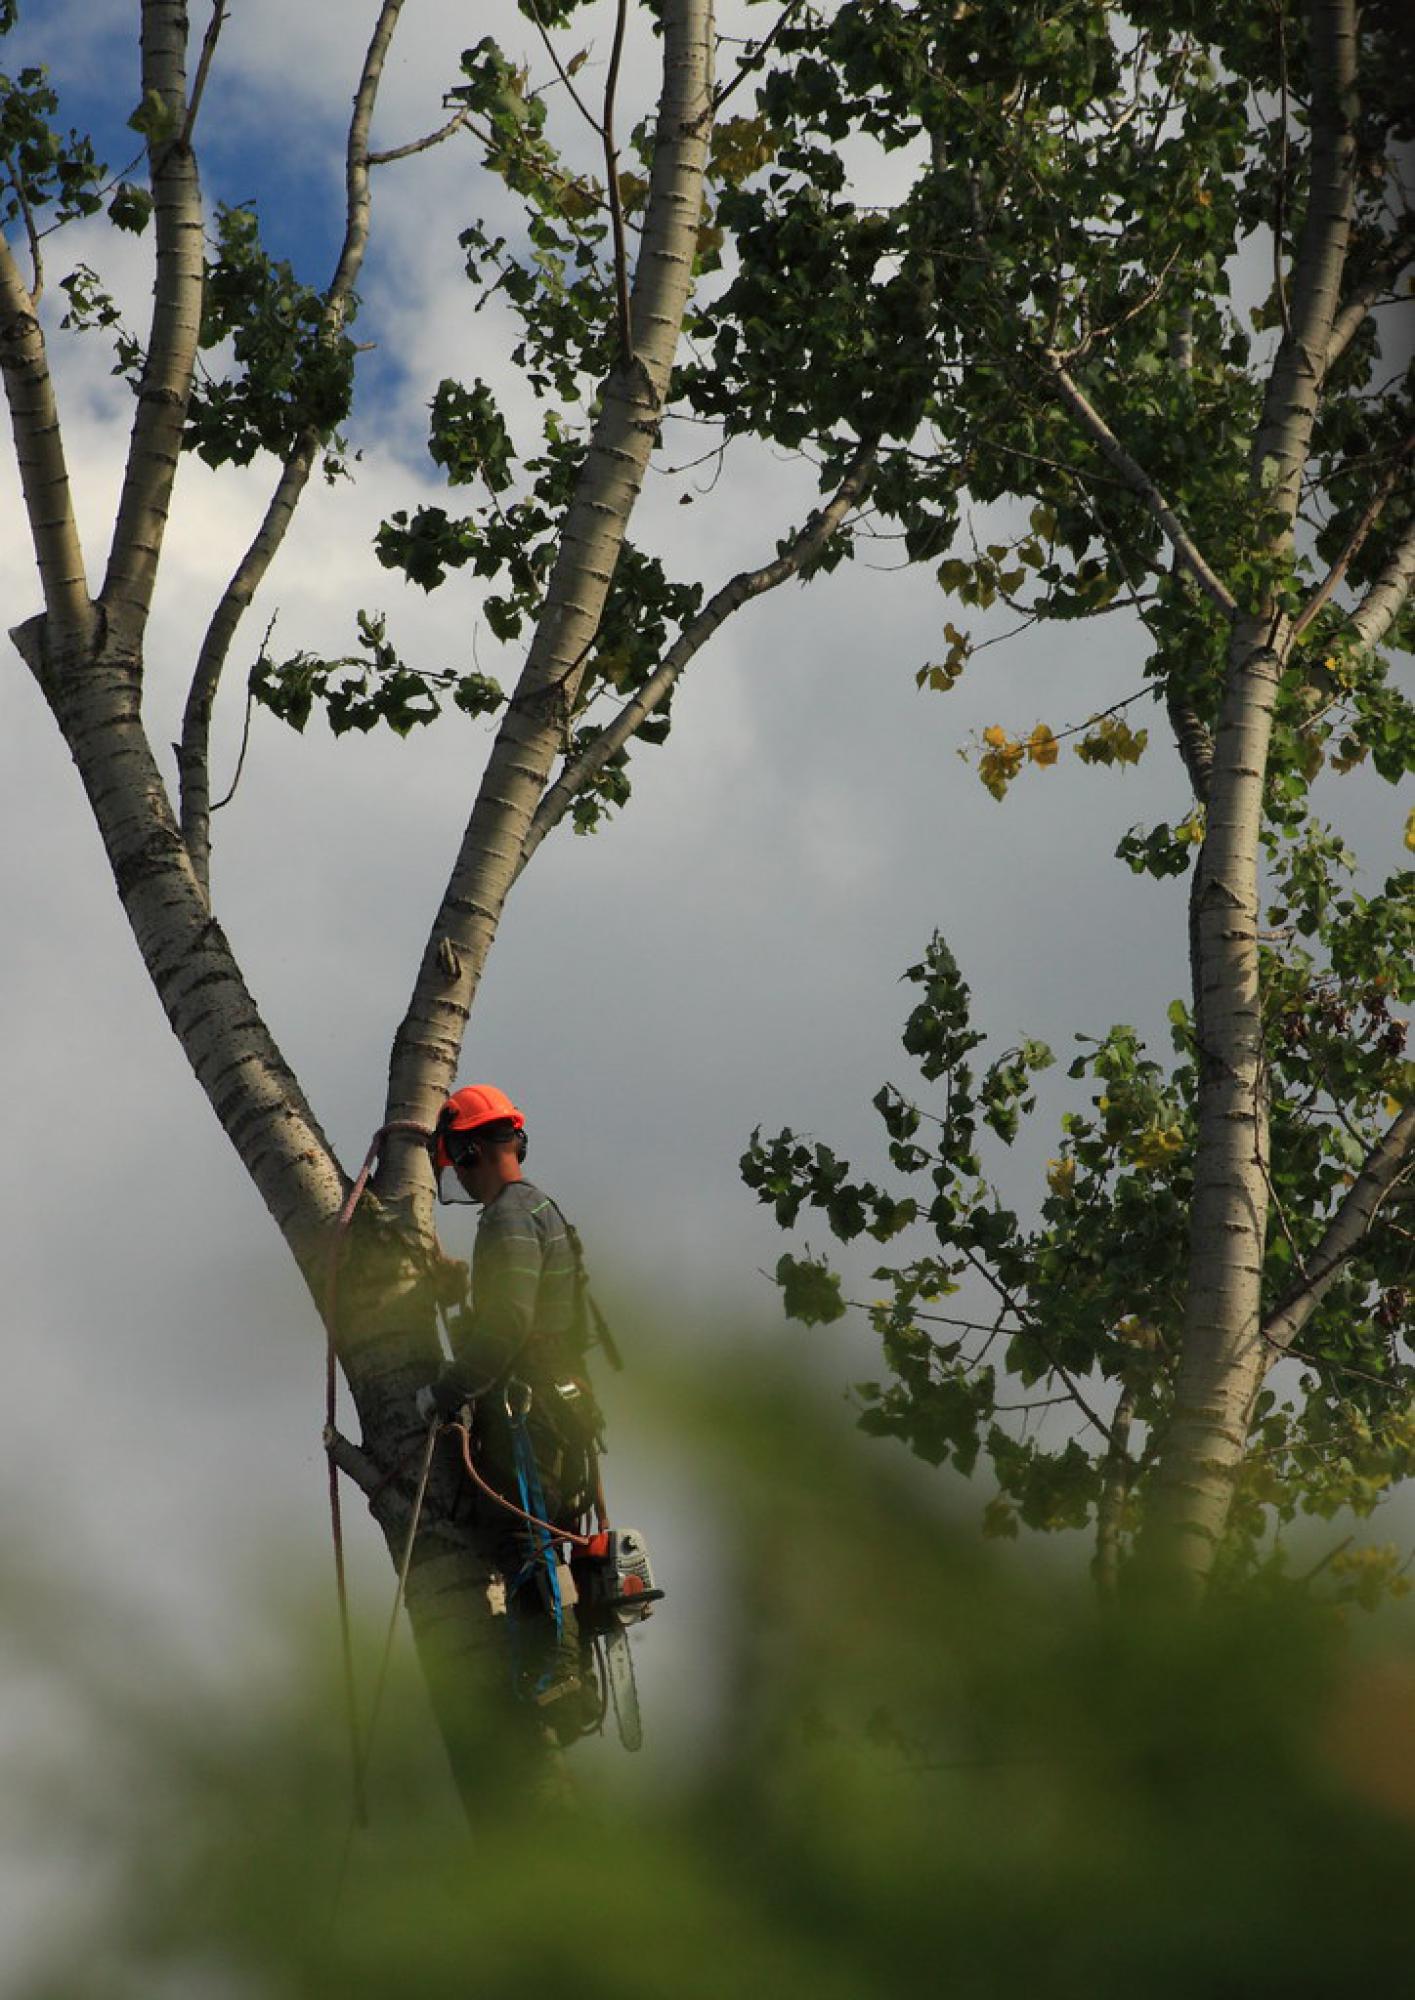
[929, 1764]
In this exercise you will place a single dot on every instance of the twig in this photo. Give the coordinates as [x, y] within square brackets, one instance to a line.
[562, 72]
[246, 729]
[1031, 1328]
[1143, 304]
[423, 145]
[753, 60]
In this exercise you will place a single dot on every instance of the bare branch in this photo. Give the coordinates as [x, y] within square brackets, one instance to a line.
[193, 752]
[747, 584]
[1385, 1166]
[1140, 483]
[1358, 535]
[39, 450]
[457, 123]
[563, 73]
[204, 61]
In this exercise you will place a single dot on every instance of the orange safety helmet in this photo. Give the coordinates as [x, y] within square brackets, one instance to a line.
[466, 1110]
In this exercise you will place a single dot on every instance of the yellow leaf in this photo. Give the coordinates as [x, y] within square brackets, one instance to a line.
[1042, 745]
[1061, 1178]
[1410, 831]
[996, 735]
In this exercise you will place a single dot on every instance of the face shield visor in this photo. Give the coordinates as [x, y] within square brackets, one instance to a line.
[447, 1148]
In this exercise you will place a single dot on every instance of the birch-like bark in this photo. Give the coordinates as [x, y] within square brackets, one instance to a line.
[428, 1043]
[165, 388]
[739, 590]
[1383, 602]
[250, 1086]
[44, 474]
[1386, 1165]
[193, 754]
[194, 749]
[1223, 1357]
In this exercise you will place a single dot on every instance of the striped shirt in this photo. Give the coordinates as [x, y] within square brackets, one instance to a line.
[523, 1287]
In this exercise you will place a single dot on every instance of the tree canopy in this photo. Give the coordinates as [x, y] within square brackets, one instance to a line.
[1130, 282]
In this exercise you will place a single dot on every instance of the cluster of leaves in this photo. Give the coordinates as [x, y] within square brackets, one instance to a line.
[293, 371]
[1074, 181]
[46, 173]
[1087, 1300]
[363, 689]
[1106, 739]
[512, 541]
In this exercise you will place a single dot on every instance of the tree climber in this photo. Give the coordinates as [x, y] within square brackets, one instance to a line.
[518, 1359]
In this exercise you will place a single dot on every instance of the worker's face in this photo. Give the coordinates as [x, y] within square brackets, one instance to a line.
[483, 1179]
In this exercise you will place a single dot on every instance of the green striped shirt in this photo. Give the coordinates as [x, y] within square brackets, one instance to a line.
[523, 1286]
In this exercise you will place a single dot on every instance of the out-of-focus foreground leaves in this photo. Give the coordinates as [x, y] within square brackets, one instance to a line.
[932, 1764]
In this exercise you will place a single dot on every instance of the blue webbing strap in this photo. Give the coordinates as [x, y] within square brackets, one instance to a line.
[533, 1502]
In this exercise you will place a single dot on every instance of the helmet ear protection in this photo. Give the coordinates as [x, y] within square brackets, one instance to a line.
[465, 1149]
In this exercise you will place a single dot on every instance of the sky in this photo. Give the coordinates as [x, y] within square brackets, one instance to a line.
[726, 954]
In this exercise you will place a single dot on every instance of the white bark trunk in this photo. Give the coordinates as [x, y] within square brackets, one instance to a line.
[428, 1043]
[39, 452]
[165, 389]
[1224, 1356]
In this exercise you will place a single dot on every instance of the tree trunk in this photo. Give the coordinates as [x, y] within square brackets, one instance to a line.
[1225, 1354]
[536, 725]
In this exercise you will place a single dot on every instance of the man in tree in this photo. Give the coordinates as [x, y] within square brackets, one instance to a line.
[519, 1359]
